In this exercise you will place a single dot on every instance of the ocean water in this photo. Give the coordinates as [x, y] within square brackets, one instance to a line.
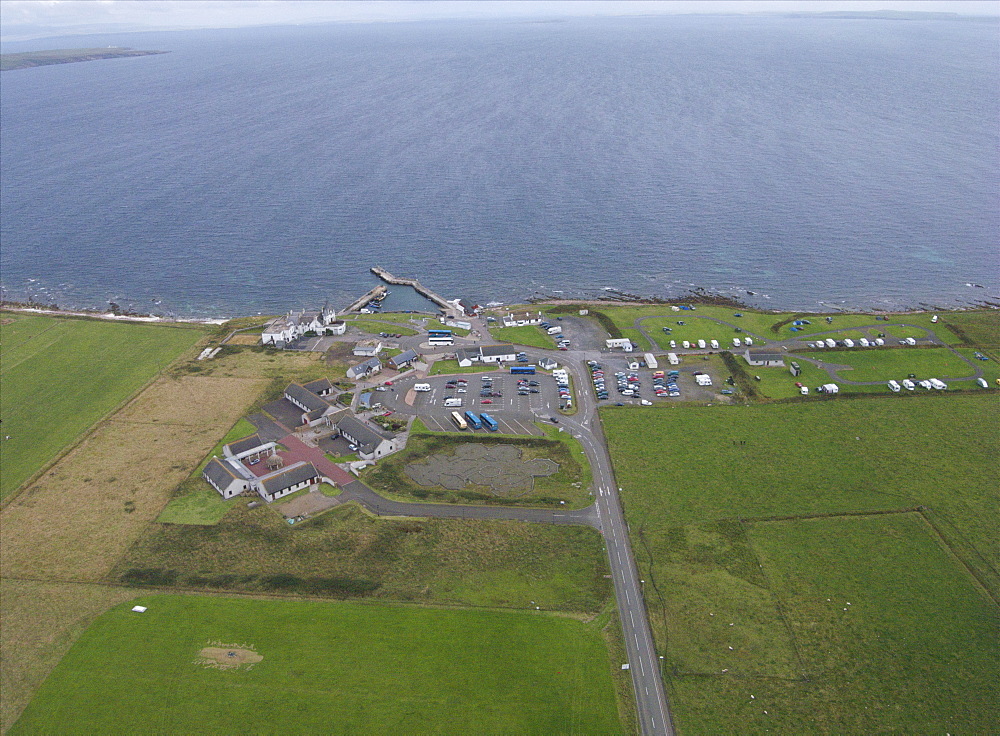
[813, 162]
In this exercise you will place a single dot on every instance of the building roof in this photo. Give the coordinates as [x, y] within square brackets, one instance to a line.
[246, 444]
[495, 350]
[364, 436]
[288, 478]
[467, 354]
[218, 474]
[370, 364]
[404, 357]
[323, 384]
[764, 356]
[301, 395]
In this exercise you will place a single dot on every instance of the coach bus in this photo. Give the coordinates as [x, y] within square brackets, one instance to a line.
[458, 420]
[490, 422]
[528, 370]
[473, 420]
[439, 333]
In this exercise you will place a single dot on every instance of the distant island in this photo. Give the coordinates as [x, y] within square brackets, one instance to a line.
[28, 59]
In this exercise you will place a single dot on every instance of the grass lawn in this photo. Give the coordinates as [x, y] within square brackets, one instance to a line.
[60, 376]
[570, 484]
[880, 364]
[446, 367]
[527, 335]
[364, 668]
[375, 327]
[899, 326]
[346, 552]
[201, 505]
[699, 483]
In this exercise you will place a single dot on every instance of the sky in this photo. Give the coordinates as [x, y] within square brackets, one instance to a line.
[22, 18]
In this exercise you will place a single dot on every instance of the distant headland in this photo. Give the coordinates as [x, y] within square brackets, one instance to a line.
[28, 59]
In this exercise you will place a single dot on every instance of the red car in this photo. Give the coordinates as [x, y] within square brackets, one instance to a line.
[388, 383]
[486, 401]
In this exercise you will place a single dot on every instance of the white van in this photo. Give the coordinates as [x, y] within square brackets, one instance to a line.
[736, 342]
[748, 341]
[910, 341]
[685, 344]
[673, 344]
[894, 387]
[701, 344]
[452, 402]
[879, 342]
[908, 384]
[714, 344]
[421, 387]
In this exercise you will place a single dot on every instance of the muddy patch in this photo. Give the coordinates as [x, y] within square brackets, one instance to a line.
[228, 657]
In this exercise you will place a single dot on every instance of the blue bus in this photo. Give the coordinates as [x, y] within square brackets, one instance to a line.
[473, 420]
[490, 422]
[528, 370]
[439, 333]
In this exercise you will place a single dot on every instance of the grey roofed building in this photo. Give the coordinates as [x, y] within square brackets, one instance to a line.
[372, 365]
[290, 479]
[764, 358]
[305, 399]
[370, 442]
[404, 358]
[222, 479]
[466, 356]
[247, 444]
[497, 351]
[322, 387]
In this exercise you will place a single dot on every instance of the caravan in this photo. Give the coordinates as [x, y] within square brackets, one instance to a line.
[894, 387]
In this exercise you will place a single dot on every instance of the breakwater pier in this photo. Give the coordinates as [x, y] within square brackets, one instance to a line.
[417, 286]
[373, 295]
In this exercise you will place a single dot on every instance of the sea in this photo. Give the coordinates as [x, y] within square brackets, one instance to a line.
[789, 162]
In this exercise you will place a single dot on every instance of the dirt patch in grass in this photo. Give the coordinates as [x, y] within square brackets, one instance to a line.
[499, 468]
[78, 518]
[228, 658]
[38, 624]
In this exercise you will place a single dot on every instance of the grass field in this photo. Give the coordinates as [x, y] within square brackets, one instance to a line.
[374, 327]
[915, 646]
[527, 335]
[347, 553]
[570, 484]
[329, 667]
[982, 328]
[433, 324]
[62, 375]
[83, 513]
[39, 622]
[883, 365]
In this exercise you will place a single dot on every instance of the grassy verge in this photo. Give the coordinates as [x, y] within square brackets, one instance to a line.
[374, 669]
[60, 376]
[882, 364]
[447, 367]
[374, 327]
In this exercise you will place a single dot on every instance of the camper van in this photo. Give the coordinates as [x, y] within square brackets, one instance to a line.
[673, 359]
[894, 387]
[421, 387]
[848, 343]
[910, 341]
[863, 342]
[879, 342]
[908, 384]
[736, 342]
[673, 344]
[701, 344]
[714, 344]
[453, 402]
[831, 343]
[685, 344]
[748, 341]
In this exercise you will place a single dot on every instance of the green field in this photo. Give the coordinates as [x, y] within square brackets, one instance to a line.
[446, 367]
[327, 668]
[62, 375]
[700, 484]
[880, 364]
[527, 335]
[374, 327]
[980, 328]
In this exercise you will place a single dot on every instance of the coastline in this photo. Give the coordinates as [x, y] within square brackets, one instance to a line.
[111, 316]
